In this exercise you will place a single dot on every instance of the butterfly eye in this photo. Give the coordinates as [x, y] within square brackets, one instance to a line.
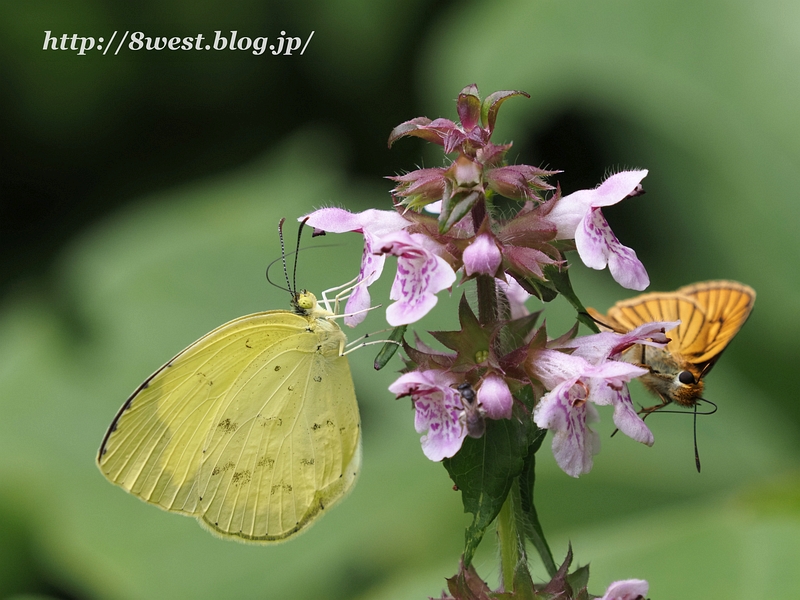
[686, 377]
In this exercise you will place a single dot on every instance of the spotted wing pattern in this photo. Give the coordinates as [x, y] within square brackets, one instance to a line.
[253, 429]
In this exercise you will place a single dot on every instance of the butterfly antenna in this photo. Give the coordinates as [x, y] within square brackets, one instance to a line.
[296, 252]
[712, 411]
[696, 453]
[283, 256]
[588, 315]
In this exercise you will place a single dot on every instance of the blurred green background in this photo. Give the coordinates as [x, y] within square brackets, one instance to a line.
[138, 209]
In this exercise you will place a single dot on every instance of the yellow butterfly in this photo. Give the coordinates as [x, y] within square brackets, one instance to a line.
[711, 314]
[253, 429]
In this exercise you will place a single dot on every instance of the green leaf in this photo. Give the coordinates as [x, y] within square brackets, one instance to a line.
[484, 470]
[579, 579]
[470, 340]
[456, 208]
[532, 526]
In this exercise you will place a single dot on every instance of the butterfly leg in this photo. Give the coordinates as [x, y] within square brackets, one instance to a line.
[345, 289]
[646, 411]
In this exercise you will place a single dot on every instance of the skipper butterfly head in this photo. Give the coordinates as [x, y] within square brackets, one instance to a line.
[687, 386]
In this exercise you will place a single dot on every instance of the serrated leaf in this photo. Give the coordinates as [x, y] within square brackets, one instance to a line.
[471, 339]
[484, 470]
[579, 578]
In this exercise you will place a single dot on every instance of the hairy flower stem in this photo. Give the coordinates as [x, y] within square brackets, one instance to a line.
[511, 537]
[487, 293]
[487, 300]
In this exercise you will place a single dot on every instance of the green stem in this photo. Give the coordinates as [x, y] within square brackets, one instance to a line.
[487, 300]
[510, 537]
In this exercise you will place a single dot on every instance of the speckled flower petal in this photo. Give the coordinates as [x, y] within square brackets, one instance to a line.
[438, 411]
[421, 274]
[567, 414]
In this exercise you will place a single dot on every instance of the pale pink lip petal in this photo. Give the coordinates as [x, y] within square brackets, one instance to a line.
[628, 422]
[592, 239]
[598, 246]
[371, 269]
[567, 415]
[410, 311]
[626, 269]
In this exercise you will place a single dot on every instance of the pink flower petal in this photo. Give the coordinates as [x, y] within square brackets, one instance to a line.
[495, 397]
[628, 422]
[482, 256]
[626, 269]
[438, 411]
[617, 187]
[598, 246]
[421, 274]
[564, 413]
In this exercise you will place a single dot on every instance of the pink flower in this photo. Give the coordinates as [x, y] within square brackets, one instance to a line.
[495, 397]
[373, 224]
[438, 408]
[628, 589]
[421, 274]
[566, 410]
[590, 374]
[578, 216]
[482, 256]
[599, 347]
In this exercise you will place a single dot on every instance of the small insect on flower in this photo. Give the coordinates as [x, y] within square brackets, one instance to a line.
[473, 416]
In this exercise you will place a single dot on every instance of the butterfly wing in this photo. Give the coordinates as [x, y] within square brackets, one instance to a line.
[727, 305]
[253, 429]
[657, 306]
[711, 313]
